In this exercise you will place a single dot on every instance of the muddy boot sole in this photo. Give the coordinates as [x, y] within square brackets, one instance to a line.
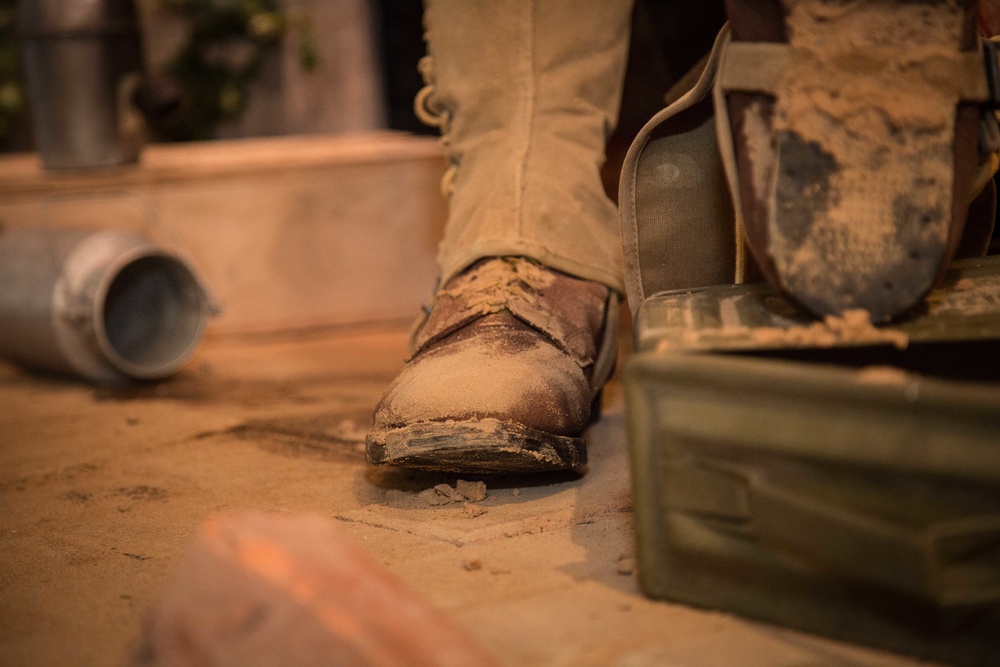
[478, 446]
[860, 197]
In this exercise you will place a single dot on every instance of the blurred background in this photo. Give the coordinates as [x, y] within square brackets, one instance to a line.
[250, 68]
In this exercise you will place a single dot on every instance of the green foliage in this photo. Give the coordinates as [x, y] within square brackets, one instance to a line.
[227, 45]
[228, 42]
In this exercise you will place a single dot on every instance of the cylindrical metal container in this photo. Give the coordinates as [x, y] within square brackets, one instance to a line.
[82, 62]
[107, 305]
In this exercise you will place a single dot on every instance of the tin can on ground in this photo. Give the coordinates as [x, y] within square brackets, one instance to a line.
[106, 305]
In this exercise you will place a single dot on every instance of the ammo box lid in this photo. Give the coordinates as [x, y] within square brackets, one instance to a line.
[755, 317]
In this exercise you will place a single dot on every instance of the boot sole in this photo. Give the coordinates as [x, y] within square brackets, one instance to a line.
[861, 195]
[479, 446]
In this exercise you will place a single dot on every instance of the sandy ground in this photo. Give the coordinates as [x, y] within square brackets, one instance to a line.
[102, 490]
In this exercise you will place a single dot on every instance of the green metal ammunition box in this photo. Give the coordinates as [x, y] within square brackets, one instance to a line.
[831, 477]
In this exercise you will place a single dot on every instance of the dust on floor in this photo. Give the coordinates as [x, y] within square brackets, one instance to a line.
[102, 489]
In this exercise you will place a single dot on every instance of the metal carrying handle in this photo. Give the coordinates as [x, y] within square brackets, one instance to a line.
[953, 563]
[939, 562]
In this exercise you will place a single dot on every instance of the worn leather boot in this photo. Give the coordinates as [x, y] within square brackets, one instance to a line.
[506, 368]
[856, 146]
[505, 375]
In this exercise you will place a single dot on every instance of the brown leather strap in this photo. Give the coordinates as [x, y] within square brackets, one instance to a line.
[758, 66]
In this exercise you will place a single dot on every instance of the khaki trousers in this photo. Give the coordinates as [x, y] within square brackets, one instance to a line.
[526, 93]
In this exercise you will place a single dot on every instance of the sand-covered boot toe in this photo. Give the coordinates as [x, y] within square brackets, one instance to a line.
[504, 375]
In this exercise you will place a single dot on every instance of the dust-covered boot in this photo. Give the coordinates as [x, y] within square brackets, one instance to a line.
[505, 375]
[518, 342]
[854, 133]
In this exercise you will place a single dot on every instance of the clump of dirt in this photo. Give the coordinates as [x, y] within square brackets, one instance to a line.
[472, 511]
[968, 297]
[471, 491]
[475, 563]
[442, 494]
[463, 492]
[853, 327]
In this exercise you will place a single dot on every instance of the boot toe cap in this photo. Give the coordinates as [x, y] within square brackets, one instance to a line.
[513, 376]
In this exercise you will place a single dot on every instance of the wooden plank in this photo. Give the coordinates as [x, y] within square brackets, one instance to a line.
[287, 233]
[21, 174]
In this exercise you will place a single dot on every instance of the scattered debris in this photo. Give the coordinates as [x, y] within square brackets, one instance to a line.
[136, 556]
[474, 510]
[515, 492]
[449, 493]
[442, 494]
[472, 564]
[471, 491]
[853, 326]
[431, 497]
[462, 492]
[626, 566]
